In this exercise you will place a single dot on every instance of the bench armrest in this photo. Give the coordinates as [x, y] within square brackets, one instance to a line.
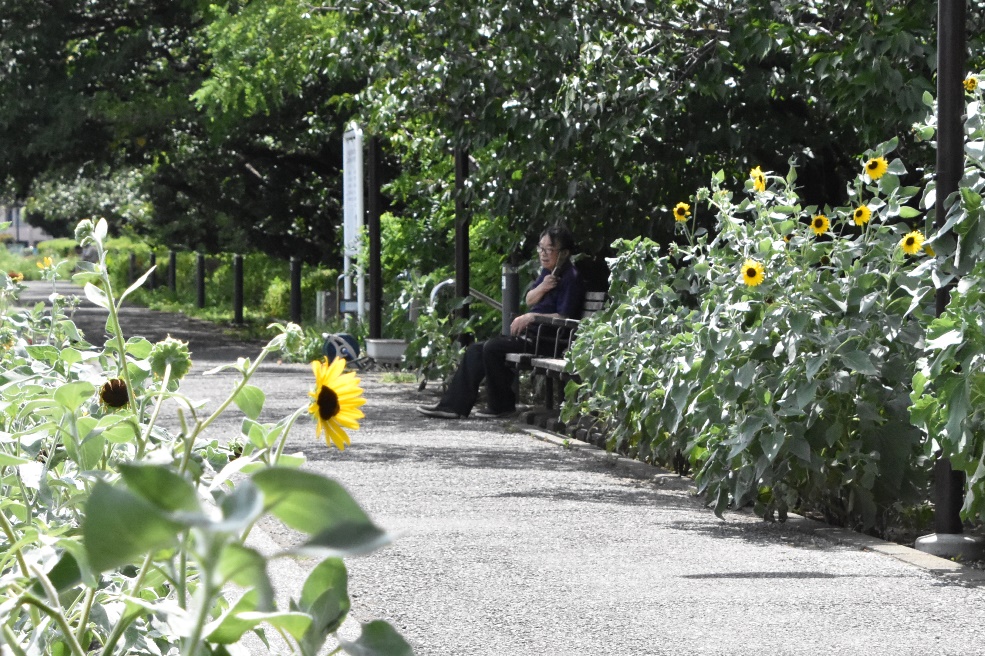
[549, 337]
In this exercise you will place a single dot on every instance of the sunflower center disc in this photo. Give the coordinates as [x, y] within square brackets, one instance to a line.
[328, 403]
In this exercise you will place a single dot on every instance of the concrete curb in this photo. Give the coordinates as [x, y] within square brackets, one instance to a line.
[949, 570]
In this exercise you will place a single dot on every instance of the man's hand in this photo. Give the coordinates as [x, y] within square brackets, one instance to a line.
[547, 284]
[521, 322]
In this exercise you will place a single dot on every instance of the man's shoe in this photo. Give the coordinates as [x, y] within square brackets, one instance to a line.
[489, 414]
[438, 412]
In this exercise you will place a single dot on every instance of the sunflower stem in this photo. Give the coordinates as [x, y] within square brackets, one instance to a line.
[283, 440]
[239, 386]
[157, 410]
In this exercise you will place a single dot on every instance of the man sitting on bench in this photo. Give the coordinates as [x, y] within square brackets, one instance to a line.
[557, 292]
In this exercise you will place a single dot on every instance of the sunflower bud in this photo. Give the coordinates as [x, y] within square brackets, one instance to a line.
[172, 352]
[83, 231]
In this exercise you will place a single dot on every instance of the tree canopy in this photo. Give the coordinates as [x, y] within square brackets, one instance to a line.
[218, 125]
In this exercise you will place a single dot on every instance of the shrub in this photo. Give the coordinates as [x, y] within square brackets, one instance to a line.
[776, 353]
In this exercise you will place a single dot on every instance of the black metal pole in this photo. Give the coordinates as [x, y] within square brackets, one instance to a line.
[173, 271]
[511, 296]
[949, 484]
[152, 278]
[374, 209]
[237, 288]
[200, 279]
[462, 223]
[132, 269]
[295, 290]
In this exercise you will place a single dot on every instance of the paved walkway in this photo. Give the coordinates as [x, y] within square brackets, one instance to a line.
[511, 544]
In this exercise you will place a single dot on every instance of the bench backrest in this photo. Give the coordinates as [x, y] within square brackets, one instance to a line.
[551, 336]
[594, 301]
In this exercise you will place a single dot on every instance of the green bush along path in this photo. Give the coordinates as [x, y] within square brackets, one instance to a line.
[513, 545]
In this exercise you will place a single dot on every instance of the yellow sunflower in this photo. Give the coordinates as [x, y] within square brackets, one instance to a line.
[752, 272]
[336, 401]
[876, 167]
[820, 224]
[970, 84]
[861, 215]
[758, 179]
[912, 243]
[45, 263]
[681, 212]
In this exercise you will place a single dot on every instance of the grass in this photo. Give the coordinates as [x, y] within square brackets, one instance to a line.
[399, 377]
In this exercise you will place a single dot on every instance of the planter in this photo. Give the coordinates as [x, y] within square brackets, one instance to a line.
[386, 350]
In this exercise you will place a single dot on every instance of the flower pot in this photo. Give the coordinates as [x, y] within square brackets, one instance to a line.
[386, 350]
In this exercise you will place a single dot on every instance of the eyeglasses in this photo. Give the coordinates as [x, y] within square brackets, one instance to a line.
[544, 250]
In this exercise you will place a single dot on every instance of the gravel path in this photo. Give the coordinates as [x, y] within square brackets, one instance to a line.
[513, 545]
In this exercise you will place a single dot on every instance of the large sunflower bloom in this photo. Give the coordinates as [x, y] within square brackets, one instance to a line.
[752, 272]
[876, 167]
[861, 215]
[758, 179]
[912, 243]
[820, 224]
[336, 401]
[681, 212]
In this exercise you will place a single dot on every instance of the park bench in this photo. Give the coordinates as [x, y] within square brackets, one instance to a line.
[547, 339]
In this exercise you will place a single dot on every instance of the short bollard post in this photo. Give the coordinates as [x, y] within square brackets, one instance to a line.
[132, 270]
[511, 296]
[238, 288]
[948, 497]
[200, 279]
[173, 271]
[295, 290]
[152, 278]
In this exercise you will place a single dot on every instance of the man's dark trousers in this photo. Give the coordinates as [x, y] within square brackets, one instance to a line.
[484, 361]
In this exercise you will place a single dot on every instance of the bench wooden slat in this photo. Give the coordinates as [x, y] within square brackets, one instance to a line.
[554, 365]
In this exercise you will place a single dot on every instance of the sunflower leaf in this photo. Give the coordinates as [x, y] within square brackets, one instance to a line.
[321, 508]
[250, 400]
[859, 362]
[378, 639]
[96, 295]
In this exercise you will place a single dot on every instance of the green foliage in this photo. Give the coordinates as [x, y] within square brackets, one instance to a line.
[58, 204]
[26, 263]
[122, 534]
[266, 281]
[788, 393]
[436, 350]
[948, 386]
[218, 127]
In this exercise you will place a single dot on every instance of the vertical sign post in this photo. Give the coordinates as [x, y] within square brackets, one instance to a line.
[352, 215]
[374, 208]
